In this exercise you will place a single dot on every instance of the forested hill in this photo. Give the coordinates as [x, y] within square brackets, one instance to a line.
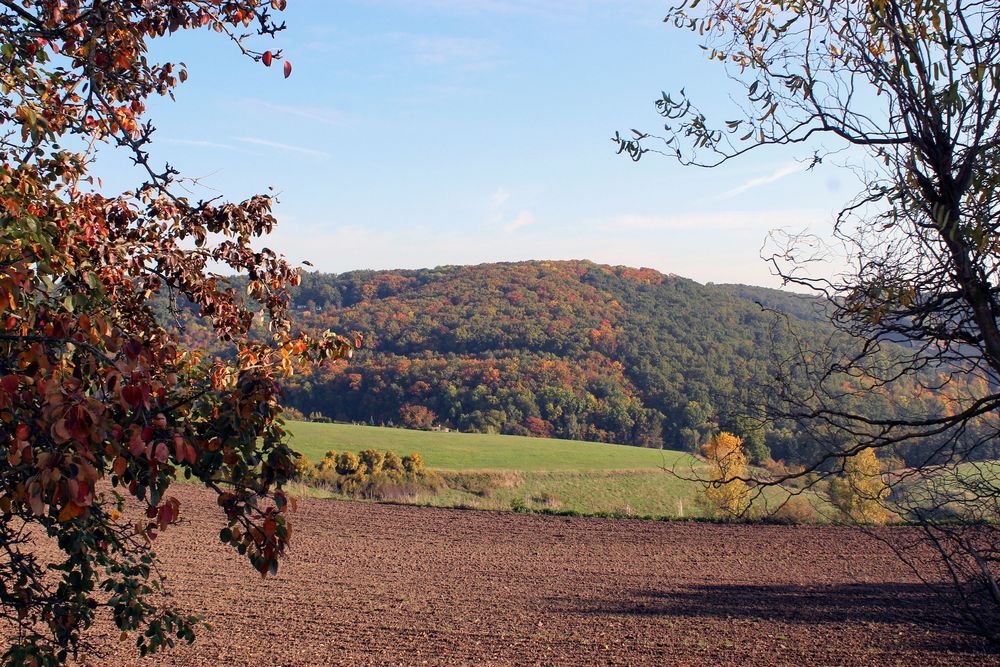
[566, 349]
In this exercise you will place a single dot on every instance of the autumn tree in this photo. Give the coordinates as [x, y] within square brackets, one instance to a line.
[98, 403]
[726, 486]
[417, 417]
[860, 493]
[907, 94]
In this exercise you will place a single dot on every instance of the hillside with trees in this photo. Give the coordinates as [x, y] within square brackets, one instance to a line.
[566, 349]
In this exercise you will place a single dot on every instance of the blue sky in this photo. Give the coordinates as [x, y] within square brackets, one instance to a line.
[425, 132]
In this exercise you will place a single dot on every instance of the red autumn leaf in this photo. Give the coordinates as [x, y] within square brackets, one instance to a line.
[266, 59]
[132, 395]
[135, 445]
[59, 431]
[288, 69]
[9, 383]
[132, 349]
[83, 493]
[165, 515]
[180, 450]
[36, 503]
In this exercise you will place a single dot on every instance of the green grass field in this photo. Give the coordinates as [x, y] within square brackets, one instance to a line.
[503, 472]
[475, 451]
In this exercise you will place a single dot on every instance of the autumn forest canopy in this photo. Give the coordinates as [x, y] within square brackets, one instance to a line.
[572, 349]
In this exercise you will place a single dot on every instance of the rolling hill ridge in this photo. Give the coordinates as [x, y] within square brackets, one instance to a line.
[566, 349]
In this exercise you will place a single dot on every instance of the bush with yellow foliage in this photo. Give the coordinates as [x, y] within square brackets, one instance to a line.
[372, 473]
[861, 491]
[728, 493]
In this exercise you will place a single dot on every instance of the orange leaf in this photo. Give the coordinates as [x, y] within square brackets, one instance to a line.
[70, 511]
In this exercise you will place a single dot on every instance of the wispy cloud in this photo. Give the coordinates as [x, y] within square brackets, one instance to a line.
[498, 218]
[444, 50]
[324, 115]
[522, 219]
[457, 52]
[282, 147]
[208, 145]
[495, 207]
[778, 174]
[200, 144]
[499, 198]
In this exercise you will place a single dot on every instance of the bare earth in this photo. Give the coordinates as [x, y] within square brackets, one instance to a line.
[380, 584]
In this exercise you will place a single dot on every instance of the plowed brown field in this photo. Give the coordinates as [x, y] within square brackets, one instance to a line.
[380, 584]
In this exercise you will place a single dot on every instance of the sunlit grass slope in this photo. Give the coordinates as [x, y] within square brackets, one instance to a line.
[475, 451]
[513, 472]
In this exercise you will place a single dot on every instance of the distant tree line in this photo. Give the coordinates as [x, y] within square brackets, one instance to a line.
[574, 350]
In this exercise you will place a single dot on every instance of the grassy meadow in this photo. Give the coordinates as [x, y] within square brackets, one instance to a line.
[513, 472]
[505, 472]
[476, 451]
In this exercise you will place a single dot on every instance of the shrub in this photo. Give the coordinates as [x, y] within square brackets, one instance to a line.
[374, 474]
[860, 492]
[347, 463]
[328, 462]
[372, 460]
[414, 463]
[355, 484]
[292, 413]
[796, 510]
[304, 469]
[728, 464]
[392, 463]
[431, 480]
[328, 478]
